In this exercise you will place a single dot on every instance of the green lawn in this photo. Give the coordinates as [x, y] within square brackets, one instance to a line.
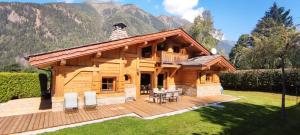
[254, 113]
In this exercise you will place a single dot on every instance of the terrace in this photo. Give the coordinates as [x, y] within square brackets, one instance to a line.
[142, 108]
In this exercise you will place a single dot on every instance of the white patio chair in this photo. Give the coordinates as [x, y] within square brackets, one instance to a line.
[71, 100]
[152, 96]
[175, 95]
[90, 99]
[167, 96]
[180, 91]
[155, 89]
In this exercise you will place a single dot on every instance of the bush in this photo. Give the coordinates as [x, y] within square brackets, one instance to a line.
[21, 85]
[265, 80]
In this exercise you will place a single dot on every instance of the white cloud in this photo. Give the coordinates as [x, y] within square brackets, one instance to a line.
[67, 1]
[186, 10]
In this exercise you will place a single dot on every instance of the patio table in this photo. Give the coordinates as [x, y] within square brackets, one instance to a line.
[160, 94]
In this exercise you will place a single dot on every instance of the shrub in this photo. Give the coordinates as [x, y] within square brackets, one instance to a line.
[265, 80]
[21, 85]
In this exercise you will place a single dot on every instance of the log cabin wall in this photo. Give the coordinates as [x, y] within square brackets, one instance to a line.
[86, 72]
[124, 65]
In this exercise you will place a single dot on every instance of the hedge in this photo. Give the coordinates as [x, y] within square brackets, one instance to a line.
[21, 85]
[265, 80]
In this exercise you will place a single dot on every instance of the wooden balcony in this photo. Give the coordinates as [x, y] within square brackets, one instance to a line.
[170, 58]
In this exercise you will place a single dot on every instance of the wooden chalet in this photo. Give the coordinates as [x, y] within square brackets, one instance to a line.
[128, 67]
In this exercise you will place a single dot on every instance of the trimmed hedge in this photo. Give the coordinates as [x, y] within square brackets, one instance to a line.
[265, 80]
[21, 85]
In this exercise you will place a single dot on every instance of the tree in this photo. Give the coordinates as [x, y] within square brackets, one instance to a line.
[279, 15]
[240, 52]
[274, 44]
[267, 39]
[202, 30]
[292, 40]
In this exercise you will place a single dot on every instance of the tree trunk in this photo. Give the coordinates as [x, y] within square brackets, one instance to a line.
[283, 80]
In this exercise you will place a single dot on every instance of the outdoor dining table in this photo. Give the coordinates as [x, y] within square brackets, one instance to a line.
[161, 93]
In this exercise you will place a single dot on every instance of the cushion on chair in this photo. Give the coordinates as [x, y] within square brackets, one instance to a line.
[90, 98]
[71, 100]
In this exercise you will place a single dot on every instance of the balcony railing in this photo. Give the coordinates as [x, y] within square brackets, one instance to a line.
[170, 58]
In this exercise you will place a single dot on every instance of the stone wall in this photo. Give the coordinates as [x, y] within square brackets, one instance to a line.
[209, 90]
[202, 90]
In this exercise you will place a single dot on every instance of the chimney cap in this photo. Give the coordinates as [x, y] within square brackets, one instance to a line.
[120, 25]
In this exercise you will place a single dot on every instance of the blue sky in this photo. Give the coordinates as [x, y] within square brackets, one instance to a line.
[233, 17]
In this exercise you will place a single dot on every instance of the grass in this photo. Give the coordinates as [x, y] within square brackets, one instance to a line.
[255, 113]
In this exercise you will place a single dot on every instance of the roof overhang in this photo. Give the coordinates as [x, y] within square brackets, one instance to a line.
[218, 60]
[46, 59]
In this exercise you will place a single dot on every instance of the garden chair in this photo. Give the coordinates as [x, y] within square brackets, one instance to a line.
[71, 100]
[152, 96]
[180, 92]
[175, 96]
[167, 96]
[90, 99]
[155, 89]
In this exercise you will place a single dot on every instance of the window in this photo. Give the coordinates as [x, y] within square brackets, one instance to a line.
[209, 77]
[108, 84]
[127, 78]
[160, 47]
[147, 52]
[176, 49]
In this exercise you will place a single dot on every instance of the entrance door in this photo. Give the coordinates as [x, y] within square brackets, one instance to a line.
[146, 85]
[160, 81]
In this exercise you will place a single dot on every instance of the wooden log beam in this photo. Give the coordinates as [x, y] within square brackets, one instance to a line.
[161, 40]
[144, 44]
[63, 62]
[98, 54]
[125, 48]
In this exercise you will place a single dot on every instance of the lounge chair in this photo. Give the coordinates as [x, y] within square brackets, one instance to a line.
[90, 99]
[71, 100]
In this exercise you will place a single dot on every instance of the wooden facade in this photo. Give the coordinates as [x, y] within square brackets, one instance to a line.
[110, 68]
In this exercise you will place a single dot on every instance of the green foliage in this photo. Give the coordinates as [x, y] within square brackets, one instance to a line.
[240, 52]
[269, 41]
[202, 30]
[21, 85]
[266, 80]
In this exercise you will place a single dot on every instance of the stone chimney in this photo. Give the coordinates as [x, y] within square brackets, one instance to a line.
[118, 32]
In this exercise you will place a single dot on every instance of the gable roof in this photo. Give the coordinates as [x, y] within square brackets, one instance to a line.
[47, 58]
[207, 61]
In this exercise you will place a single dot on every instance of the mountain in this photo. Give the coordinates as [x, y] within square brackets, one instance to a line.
[28, 28]
[173, 21]
[225, 46]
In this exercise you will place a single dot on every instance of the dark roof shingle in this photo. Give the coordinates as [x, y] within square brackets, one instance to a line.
[200, 60]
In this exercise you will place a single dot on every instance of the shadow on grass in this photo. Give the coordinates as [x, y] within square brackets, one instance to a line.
[244, 118]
